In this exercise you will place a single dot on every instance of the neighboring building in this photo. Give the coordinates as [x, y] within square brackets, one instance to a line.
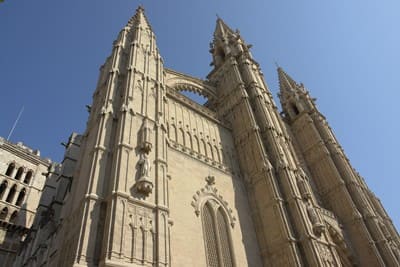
[159, 180]
[21, 184]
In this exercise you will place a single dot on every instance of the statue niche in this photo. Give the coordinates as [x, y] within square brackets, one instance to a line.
[144, 184]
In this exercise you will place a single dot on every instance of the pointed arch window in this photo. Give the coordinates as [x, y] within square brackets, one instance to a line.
[3, 188]
[19, 173]
[28, 177]
[217, 238]
[10, 169]
[295, 109]
[21, 197]
[224, 237]
[11, 194]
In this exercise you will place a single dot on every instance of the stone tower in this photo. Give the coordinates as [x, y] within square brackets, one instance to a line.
[159, 180]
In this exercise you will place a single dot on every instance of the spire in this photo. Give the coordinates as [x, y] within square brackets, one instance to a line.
[224, 43]
[222, 31]
[139, 19]
[140, 32]
[293, 96]
[286, 83]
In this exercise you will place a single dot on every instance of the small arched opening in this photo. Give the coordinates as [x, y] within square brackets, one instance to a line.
[295, 110]
[20, 197]
[11, 194]
[3, 188]
[219, 56]
[19, 173]
[3, 213]
[10, 169]
[28, 177]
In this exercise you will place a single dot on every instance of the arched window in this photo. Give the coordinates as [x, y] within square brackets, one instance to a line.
[223, 232]
[11, 194]
[217, 237]
[210, 237]
[3, 213]
[28, 177]
[13, 216]
[295, 109]
[3, 188]
[19, 173]
[10, 169]
[21, 197]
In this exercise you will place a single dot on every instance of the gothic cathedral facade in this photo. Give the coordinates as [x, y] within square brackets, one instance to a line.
[159, 180]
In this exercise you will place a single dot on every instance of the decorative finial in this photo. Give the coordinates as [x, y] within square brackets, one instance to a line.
[210, 180]
[276, 64]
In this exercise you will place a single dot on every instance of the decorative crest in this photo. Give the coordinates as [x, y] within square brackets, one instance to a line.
[209, 192]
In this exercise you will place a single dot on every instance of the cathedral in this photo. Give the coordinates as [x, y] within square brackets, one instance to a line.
[157, 179]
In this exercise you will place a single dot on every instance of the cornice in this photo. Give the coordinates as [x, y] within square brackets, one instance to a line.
[23, 153]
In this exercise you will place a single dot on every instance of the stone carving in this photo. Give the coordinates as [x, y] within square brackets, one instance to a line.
[302, 185]
[210, 180]
[145, 137]
[144, 184]
[283, 163]
[326, 254]
[395, 249]
[318, 226]
[210, 192]
[385, 231]
[303, 188]
[144, 165]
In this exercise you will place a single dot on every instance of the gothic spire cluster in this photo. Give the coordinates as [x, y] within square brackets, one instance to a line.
[280, 191]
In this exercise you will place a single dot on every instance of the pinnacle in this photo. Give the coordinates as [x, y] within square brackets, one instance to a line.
[286, 83]
[222, 29]
[139, 19]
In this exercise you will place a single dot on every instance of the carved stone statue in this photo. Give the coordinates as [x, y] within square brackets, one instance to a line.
[143, 184]
[144, 164]
[303, 188]
[318, 226]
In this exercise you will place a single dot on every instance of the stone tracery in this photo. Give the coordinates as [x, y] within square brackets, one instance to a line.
[210, 192]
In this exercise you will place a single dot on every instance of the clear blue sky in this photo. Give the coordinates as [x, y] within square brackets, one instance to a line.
[345, 52]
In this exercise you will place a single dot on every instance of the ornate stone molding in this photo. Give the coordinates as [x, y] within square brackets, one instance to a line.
[210, 192]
